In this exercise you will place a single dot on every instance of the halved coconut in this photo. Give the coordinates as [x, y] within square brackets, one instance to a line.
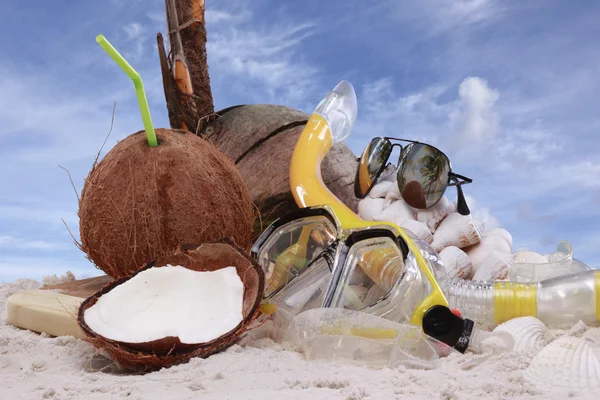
[170, 350]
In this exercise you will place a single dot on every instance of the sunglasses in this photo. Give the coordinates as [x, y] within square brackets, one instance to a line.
[423, 175]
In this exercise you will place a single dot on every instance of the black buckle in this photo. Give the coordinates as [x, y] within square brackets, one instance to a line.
[442, 324]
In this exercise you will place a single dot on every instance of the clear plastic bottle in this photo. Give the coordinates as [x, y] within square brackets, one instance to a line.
[562, 300]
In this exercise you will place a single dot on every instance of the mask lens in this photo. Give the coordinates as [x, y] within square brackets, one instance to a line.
[304, 293]
[423, 175]
[308, 291]
[291, 248]
[371, 162]
[373, 266]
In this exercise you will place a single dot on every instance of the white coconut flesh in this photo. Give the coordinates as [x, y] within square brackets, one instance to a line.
[194, 306]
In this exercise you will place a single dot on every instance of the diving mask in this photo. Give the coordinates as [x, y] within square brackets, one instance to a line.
[310, 262]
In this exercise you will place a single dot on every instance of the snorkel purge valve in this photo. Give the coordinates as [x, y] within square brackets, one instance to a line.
[395, 262]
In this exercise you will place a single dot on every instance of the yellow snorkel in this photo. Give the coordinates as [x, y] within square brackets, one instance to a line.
[330, 123]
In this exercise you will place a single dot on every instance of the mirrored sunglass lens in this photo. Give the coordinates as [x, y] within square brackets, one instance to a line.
[291, 248]
[372, 269]
[371, 162]
[423, 175]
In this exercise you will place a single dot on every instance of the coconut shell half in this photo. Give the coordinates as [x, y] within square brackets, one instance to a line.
[149, 356]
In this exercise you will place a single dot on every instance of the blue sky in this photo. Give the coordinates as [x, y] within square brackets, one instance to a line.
[509, 89]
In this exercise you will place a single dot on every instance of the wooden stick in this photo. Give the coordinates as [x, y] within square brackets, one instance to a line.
[167, 79]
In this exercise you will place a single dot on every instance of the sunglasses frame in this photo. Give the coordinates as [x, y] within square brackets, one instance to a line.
[454, 179]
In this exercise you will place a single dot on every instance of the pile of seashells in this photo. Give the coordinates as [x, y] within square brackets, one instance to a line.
[467, 250]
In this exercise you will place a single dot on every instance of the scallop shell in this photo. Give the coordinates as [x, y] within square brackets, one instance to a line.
[527, 332]
[496, 266]
[419, 229]
[380, 189]
[488, 244]
[456, 262]
[434, 215]
[456, 230]
[567, 364]
[397, 212]
[503, 233]
[369, 208]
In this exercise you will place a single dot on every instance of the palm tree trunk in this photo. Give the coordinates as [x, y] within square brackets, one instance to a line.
[185, 72]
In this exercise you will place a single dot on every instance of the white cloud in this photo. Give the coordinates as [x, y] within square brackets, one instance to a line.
[12, 243]
[475, 118]
[218, 16]
[468, 121]
[526, 146]
[137, 36]
[382, 112]
[12, 268]
[437, 17]
[454, 12]
[134, 30]
[258, 60]
[482, 213]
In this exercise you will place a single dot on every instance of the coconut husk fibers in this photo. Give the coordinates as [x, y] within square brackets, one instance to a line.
[168, 351]
[139, 203]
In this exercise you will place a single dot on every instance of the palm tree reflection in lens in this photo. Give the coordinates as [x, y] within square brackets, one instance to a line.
[426, 187]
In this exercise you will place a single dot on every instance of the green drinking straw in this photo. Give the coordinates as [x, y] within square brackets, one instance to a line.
[137, 83]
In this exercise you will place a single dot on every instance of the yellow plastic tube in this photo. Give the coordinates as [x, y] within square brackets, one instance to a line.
[137, 83]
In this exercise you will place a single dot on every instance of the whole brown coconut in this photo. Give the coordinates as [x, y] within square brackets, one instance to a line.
[168, 351]
[139, 203]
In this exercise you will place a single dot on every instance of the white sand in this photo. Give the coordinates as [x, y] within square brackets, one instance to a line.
[40, 367]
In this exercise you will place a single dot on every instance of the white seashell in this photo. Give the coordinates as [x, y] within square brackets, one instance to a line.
[503, 233]
[456, 230]
[496, 266]
[488, 244]
[397, 212]
[434, 215]
[567, 364]
[527, 332]
[481, 226]
[419, 229]
[453, 207]
[393, 193]
[456, 262]
[369, 208]
[380, 189]
[530, 257]
[486, 342]
[388, 174]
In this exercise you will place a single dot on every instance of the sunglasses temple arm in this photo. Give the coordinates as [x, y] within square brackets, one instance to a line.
[461, 205]
[456, 177]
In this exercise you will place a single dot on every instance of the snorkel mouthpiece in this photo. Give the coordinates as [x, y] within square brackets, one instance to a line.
[339, 110]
